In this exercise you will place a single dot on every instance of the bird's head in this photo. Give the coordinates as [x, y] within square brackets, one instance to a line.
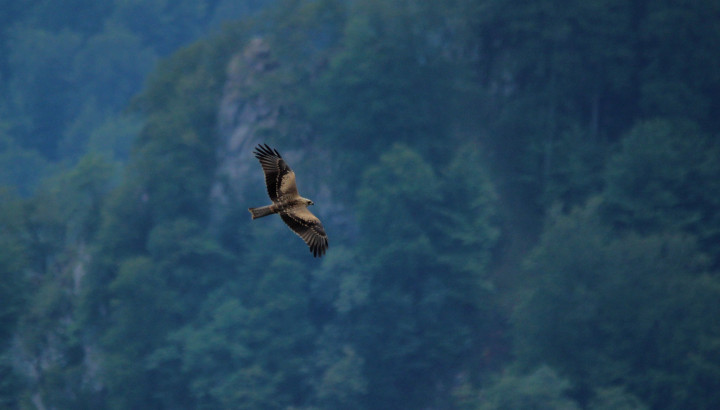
[307, 202]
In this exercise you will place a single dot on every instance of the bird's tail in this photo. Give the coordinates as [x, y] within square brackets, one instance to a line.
[260, 212]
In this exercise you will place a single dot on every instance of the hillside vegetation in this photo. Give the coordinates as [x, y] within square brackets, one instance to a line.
[522, 200]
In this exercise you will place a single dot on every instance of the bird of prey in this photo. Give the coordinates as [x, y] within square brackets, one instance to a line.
[286, 201]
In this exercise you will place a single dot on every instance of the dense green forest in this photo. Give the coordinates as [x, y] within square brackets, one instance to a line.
[522, 200]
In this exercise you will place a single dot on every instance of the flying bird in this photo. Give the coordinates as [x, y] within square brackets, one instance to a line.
[287, 202]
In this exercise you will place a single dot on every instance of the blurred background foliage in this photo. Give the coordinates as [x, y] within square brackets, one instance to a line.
[522, 200]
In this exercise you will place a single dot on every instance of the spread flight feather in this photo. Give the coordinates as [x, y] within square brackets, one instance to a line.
[286, 201]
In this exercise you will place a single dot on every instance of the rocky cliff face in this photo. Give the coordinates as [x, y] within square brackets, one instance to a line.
[243, 116]
[46, 338]
[250, 113]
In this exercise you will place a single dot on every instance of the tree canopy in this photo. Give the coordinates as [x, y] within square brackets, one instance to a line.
[521, 199]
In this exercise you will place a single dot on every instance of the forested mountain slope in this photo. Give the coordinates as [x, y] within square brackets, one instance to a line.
[521, 199]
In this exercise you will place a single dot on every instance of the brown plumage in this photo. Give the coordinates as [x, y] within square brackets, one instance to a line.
[286, 201]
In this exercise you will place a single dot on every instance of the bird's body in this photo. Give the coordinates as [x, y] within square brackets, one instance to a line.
[287, 206]
[287, 202]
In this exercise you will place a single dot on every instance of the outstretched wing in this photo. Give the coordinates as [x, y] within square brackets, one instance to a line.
[279, 178]
[308, 227]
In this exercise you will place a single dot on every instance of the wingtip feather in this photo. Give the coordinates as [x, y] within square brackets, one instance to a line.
[264, 151]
